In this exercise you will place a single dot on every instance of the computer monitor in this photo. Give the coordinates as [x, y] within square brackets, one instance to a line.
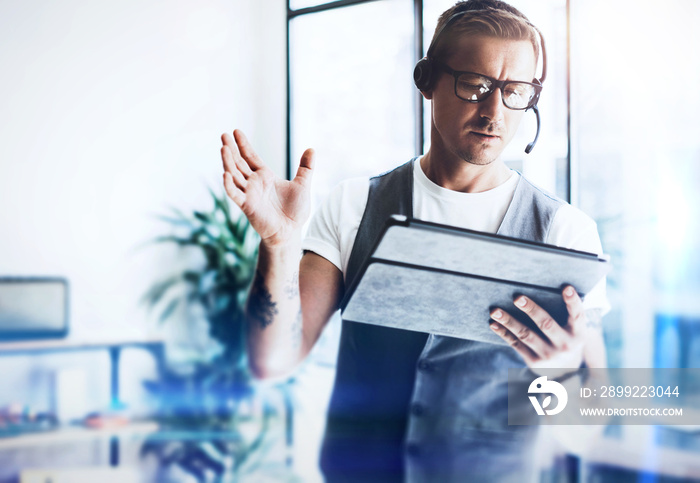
[33, 308]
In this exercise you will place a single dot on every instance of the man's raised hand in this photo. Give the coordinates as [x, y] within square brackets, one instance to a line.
[275, 207]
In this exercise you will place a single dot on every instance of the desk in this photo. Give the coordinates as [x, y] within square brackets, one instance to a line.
[71, 434]
[23, 456]
[154, 346]
[82, 475]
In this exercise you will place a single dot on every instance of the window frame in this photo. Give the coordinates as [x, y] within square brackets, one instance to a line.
[418, 53]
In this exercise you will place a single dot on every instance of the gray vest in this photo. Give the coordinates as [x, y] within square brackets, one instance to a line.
[411, 407]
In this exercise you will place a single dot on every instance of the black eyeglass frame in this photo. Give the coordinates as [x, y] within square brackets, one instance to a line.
[496, 84]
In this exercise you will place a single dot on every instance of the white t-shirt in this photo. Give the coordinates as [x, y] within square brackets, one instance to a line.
[333, 227]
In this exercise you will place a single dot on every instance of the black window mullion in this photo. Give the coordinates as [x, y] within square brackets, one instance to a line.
[569, 177]
[418, 100]
[418, 54]
[291, 14]
[288, 127]
[323, 7]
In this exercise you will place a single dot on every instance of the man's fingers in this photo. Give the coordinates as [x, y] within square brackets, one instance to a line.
[527, 354]
[227, 158]
[234, 156]
[232, 191]
[233, 168]
[549, 327]
[577, 314]
[228, 141]
[231, 157]
[306, 166]
[247, 151]
[243, 167]
[238, 180]
[538, 346]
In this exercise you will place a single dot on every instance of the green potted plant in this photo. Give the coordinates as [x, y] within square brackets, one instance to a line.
[216, 425]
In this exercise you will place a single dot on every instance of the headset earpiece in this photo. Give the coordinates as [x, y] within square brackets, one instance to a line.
[537, 96]
[423, 74]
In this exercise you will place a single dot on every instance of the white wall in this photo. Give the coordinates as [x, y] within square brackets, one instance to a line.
[111, 112]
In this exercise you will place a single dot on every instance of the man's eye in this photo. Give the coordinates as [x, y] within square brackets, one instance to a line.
[514, 93]
[518, 90]
[479, 88]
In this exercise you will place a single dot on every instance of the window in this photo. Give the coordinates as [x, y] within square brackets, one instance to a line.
[637, 153]
[352, 95]
[350, 99]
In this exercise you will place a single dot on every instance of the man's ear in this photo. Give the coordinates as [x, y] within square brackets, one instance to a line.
[427, 94]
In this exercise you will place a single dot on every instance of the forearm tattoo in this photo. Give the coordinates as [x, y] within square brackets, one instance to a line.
[261, 308]
[292, 290]
[594, 319]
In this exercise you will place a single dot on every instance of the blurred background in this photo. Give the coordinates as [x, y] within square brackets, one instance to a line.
[116, 233]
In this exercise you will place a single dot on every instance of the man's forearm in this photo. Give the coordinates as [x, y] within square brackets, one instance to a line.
[273, 311]
[594, 354]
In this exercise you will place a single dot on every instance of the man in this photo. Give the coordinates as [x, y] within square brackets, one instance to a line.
[406, 405]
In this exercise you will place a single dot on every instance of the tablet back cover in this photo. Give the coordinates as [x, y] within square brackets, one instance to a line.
[444, 280]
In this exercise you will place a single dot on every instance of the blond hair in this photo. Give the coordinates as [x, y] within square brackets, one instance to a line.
[482, 17]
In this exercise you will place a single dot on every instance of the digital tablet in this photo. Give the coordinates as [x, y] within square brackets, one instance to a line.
[446, 280]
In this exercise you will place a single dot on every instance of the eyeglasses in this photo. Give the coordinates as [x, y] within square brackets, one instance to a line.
[473, 87]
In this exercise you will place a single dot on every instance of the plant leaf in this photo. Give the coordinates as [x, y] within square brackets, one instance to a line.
[169, 309]
[203, 217]
[156, 293]
[174, 239]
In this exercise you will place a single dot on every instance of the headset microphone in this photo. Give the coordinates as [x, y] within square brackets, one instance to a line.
[537, 134]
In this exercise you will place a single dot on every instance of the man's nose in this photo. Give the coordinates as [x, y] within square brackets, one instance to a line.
[492, 107]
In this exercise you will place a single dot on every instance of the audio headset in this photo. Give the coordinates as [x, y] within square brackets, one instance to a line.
[424, 72]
